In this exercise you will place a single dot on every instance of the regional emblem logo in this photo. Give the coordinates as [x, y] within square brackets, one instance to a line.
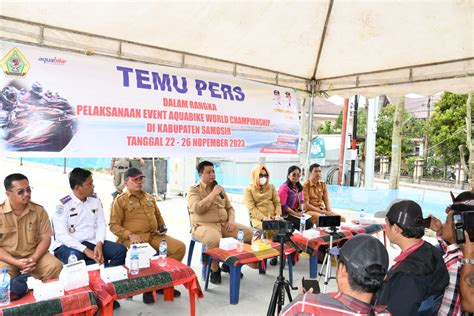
[15, 64]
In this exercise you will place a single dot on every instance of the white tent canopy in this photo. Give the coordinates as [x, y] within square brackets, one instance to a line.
[367, 47]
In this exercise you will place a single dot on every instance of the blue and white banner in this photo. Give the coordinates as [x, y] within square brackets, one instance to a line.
[61, 104]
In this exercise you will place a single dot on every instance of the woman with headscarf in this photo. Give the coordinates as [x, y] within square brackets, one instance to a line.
[262, 200]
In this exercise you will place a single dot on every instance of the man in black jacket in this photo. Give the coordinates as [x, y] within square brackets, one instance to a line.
[419, 272]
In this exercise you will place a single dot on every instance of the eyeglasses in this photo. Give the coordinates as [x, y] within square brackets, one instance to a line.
[297, 175]
[261, 175]
[22, 191]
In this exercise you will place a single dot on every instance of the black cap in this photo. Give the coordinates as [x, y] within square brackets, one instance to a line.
[366, 256]
[133, 173]
[406, 213]
[463, 202]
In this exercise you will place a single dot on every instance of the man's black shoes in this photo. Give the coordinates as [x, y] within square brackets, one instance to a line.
[116, 305]
[176, 292]
[216, 277]
[148, 298]
[225, 268]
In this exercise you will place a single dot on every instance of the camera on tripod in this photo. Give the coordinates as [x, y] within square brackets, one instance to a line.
[329, 221]
[281, 226]
[463, 221]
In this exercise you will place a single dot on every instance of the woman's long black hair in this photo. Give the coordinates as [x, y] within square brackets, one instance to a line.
[289, 183]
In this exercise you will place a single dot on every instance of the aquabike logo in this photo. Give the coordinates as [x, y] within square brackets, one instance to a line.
[52, 60]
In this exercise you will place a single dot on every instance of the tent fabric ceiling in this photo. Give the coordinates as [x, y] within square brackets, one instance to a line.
[367, 47]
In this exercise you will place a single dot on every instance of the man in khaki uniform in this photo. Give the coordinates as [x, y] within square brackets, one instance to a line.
[25, 233]
[135, 218]
[118, 166]
[316, 196]
[212, 215]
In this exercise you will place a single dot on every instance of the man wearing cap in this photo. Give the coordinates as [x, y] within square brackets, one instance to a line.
[454, 301]
[25, 233]
[118, 166]
[363, 263]
[79, 225]
[135, 218]
[419, 272]
[316, 195]
[212, 215]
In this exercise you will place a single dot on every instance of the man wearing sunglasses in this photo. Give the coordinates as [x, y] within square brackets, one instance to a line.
[25, 233]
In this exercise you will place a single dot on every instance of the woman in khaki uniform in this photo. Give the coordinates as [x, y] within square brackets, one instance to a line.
[261, 199]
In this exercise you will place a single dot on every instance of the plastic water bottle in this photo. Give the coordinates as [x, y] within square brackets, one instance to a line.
[134, 260]
[72, 257]
[240, 240]
[4, 288]
[302, 224]
[163, 253]
[362, 217]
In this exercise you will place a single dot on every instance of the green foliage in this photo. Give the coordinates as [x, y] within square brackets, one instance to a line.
[326, 128]
[329, 128]
[412, 128]
[447, 127]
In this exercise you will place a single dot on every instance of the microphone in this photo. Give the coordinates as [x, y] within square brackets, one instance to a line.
[221, 194]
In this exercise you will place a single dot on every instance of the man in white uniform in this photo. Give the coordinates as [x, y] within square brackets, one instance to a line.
[79, 225]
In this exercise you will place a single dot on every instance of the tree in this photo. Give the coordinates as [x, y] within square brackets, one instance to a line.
[412, 128]
[448, 127]
[396, 145]
[326, 128]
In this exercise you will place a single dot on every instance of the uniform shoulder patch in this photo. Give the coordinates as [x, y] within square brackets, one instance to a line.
[59, 210]
[66, 199]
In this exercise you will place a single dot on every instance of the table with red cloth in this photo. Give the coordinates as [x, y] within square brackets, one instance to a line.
[235, 260]
[370, 229]
[147, 280]
[79, 301]
[312, 245]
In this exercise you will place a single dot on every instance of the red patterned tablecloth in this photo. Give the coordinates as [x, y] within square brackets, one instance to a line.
[234, 258]
[148, 279]
[78, 301]
[311, 246]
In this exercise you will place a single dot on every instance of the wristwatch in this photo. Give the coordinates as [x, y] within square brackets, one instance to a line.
[468, 261]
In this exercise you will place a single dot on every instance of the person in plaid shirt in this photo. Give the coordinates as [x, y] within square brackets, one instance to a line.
[452, 302]
[360, 272]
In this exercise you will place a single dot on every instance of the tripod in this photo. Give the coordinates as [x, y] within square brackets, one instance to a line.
[327, 259]
[278, 295]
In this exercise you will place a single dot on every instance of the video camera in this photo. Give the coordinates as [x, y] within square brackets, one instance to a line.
[282, 226]
[329, 221]
[463, 221]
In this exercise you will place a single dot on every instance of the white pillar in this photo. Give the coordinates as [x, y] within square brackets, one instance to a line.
[370, 143]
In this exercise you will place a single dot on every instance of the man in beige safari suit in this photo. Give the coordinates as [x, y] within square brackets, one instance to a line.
[212, 215]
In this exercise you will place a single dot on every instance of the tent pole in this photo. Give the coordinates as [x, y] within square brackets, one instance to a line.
[354, 139]
[342, 149]
[370, 143]
[310, 125]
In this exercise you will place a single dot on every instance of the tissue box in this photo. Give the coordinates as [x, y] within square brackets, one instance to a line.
[228, 243]
[145, 252]
[74, 275]
[260, 245]
[367, 221]
[49, 290]
[113, 274]
[311, 233]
